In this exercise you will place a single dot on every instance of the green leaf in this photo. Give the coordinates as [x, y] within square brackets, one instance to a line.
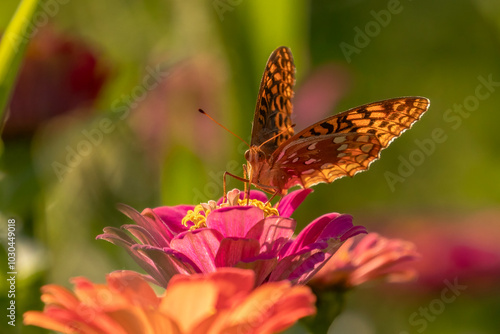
[12, 47]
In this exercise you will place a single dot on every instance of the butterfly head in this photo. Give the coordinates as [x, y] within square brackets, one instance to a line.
[255, 155]
[256, 160]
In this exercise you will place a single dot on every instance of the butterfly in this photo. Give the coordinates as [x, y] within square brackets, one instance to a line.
[338, 146]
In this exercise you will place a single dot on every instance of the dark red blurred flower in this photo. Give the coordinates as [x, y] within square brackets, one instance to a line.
[59, 73]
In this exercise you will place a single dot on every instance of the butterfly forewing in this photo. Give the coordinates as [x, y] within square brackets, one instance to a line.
[347, 143]
[274, 105]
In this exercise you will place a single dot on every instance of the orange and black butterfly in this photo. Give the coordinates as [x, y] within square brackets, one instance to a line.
[338, 146]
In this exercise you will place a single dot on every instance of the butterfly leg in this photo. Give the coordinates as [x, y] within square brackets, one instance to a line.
[247, 190]
[273, 196]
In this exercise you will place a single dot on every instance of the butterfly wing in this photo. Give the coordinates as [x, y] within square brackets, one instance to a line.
[274, 105]
[346, 143]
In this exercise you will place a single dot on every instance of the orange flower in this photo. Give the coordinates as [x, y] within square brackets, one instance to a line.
[220, 302]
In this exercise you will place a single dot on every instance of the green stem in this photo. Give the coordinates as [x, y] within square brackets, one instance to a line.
[12, 47]
[329, 304]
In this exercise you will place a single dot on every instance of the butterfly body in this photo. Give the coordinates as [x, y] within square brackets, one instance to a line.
[338, 146]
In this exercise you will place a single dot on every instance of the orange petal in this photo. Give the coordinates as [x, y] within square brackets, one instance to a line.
[57, 295]
[272, 307]
[189, 302]
[149, 321]
[40, 319]
[132, 286]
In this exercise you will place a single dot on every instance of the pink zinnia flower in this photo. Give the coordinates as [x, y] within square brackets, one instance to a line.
[221, 302]
[373, 257]
[231, 234]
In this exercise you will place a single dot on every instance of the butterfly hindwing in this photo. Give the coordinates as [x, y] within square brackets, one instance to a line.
[347, 143]
[313, 160]
[386, 119]
[274, 105]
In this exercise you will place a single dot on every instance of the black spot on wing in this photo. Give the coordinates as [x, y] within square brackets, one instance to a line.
[329, 128]
[314, 133]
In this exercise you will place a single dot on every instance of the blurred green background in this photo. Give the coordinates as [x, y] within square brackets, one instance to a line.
[128, 131]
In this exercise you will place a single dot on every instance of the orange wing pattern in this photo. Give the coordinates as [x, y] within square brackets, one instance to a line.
[347, 143]
[274, 105]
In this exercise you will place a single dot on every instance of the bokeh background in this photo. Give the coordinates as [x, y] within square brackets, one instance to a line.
[105, 112]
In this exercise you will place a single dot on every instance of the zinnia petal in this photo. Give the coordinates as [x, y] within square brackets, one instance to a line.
[273, 233]
[200, 246]
[290, 202]
[234, 250]
[234, 221]
[314, 230]
[172, 216]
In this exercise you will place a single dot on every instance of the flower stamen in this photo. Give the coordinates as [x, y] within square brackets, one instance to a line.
[199, 220]
[266, 207]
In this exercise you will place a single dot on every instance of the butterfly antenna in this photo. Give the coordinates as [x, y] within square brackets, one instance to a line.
[222, 126]
[277, 135]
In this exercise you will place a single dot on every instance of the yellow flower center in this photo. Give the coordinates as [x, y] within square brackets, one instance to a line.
[199, 215]
[266, 207]
[196, 216]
